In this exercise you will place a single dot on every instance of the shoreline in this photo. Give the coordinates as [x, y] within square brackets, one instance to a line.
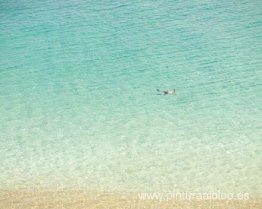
[79, 199]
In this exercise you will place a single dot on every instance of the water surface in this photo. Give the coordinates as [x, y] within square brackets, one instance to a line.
[78, 104]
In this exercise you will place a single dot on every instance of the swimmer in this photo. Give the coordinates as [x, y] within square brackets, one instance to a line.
[167, 92]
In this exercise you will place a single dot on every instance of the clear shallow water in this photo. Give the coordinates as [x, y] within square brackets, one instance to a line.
[79, 107]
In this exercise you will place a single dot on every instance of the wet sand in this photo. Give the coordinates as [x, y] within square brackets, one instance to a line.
[93, 200]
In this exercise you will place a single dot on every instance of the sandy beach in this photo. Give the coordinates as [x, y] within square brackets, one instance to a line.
[82, 200]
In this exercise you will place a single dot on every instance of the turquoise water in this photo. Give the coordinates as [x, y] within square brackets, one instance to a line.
[78, 102]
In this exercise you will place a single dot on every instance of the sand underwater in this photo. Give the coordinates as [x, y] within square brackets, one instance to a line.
[81, 122]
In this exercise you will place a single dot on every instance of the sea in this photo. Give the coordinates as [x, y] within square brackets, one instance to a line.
[79, 108]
